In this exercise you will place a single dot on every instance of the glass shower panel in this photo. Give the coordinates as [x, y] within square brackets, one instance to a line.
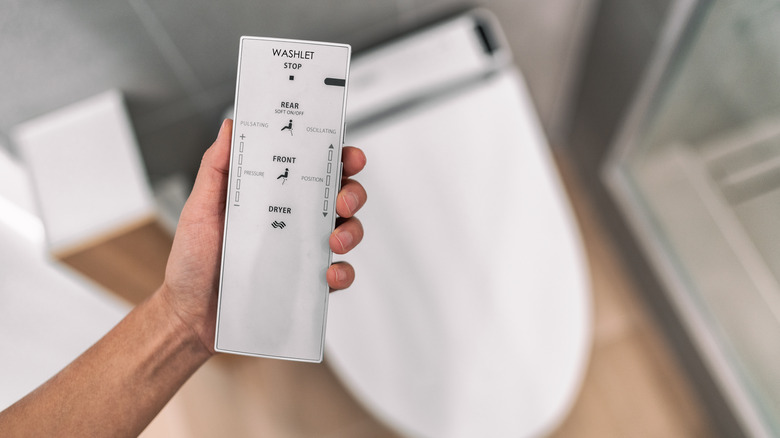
[700, 176]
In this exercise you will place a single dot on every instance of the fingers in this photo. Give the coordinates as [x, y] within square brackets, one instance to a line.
[351, 198]
[349, 231]
[352, 195]
[340, 275]
[354, 160]
[346, 236]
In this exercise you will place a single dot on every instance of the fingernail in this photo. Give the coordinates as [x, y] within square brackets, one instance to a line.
[341, 276]
[345, 239]
[352, 202]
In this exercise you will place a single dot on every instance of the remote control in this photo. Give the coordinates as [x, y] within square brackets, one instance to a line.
[285, 172]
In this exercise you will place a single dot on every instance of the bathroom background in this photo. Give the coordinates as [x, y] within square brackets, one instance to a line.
[586, 64]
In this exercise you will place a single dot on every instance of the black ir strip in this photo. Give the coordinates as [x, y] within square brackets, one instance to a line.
[335, 82]
[485, 37]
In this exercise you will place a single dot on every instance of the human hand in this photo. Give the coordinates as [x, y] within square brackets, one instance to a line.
[191, 281]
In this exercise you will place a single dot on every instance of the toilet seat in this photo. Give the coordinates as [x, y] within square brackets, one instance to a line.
[470, 314]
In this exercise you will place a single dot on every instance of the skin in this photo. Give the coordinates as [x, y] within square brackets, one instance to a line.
[120, 384]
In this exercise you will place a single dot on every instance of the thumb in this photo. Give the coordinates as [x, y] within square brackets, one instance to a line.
[210, 189]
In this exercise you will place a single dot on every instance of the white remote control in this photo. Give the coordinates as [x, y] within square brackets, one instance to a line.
[285, 171]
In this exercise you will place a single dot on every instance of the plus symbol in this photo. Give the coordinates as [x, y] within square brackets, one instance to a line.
[242, 136]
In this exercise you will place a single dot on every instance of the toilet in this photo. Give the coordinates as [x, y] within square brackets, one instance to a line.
[470, 313]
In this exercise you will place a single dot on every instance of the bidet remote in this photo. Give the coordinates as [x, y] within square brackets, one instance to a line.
[285, 170]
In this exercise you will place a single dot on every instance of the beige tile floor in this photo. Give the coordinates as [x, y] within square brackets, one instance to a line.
[633, 386]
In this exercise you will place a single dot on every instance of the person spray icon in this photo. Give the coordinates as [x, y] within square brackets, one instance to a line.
[289, 127]
[283, 176]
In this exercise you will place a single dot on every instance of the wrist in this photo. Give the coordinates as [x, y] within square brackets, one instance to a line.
[184, 328]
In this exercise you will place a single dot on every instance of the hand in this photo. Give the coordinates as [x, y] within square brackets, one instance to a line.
[192, 274]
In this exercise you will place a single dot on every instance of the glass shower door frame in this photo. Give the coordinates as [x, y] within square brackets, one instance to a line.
[678, 30]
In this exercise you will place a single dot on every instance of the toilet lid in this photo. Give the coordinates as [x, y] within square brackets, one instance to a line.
[470, 312]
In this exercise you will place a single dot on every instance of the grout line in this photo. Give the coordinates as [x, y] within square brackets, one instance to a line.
[171, 53]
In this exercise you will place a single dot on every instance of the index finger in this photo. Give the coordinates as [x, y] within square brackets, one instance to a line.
[354, 160]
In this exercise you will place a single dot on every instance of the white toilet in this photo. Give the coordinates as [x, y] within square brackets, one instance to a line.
[470, 314]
